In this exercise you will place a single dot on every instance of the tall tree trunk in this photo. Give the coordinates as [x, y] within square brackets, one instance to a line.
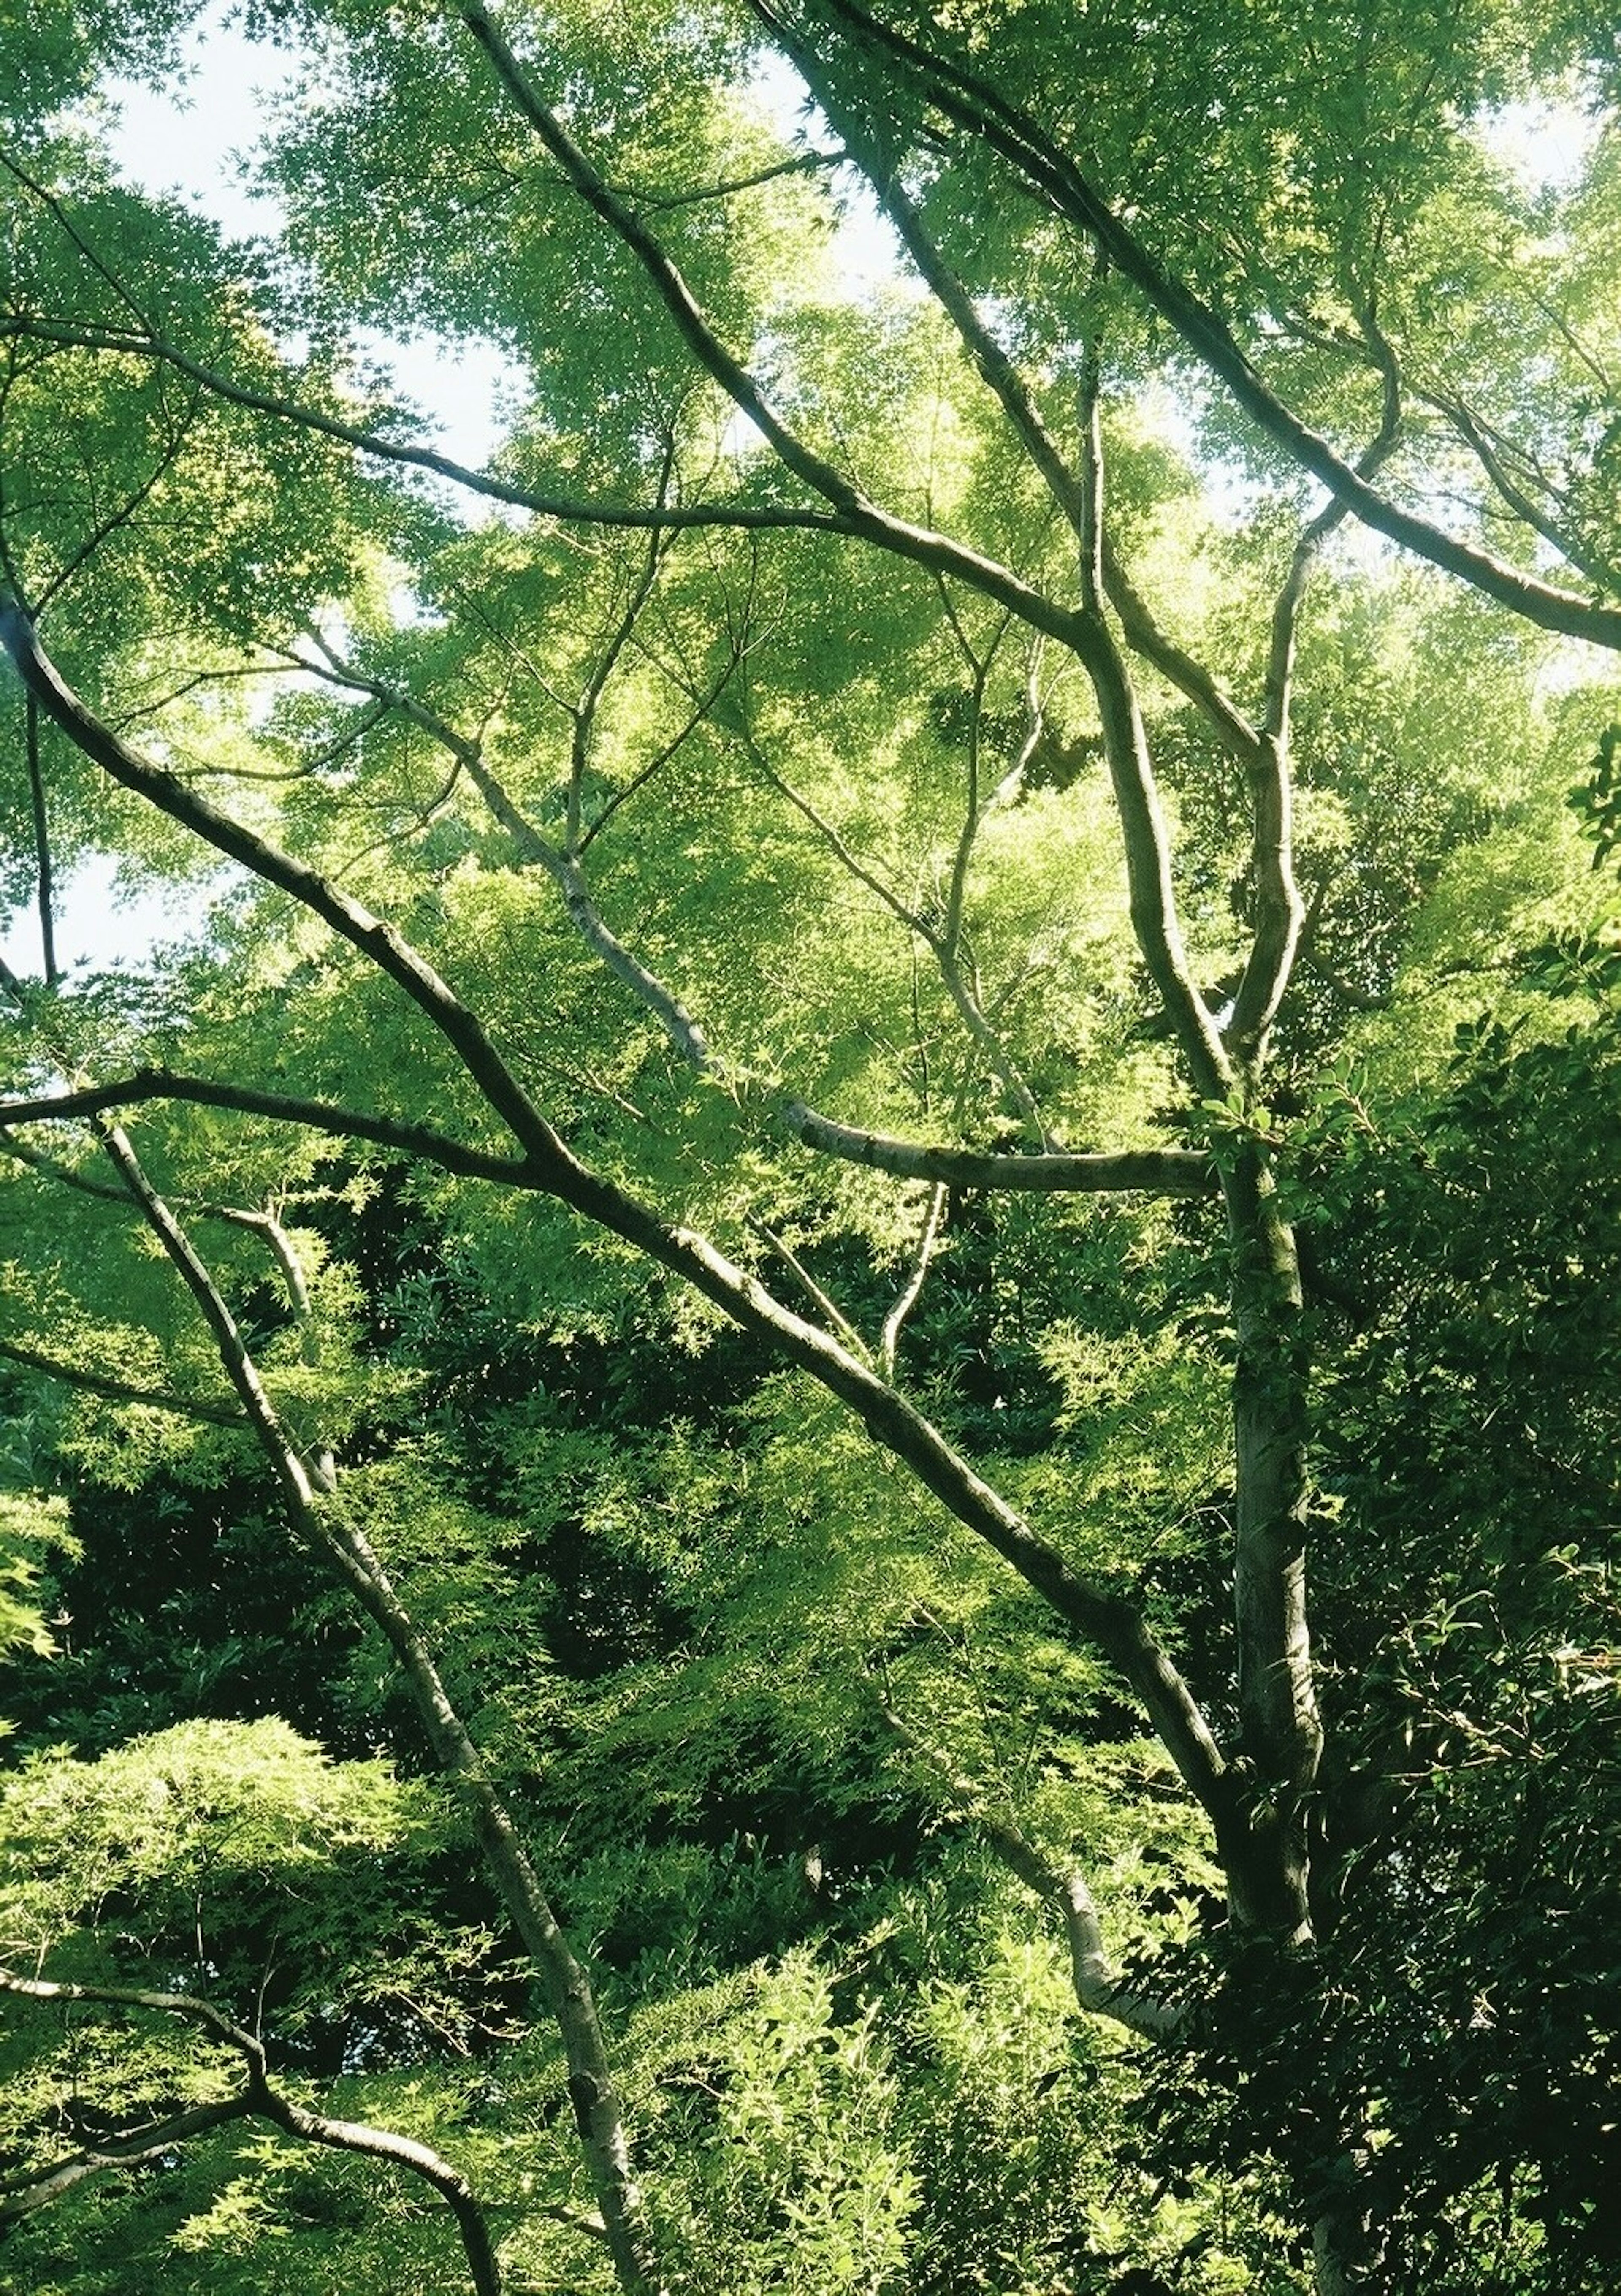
[1280, 1733]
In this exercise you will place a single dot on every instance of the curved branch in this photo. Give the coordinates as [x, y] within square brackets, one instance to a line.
[998, 371]
[1143, 834]
[911, 1290]
[1098, 1988]
[1279, 911]
[347, 1547]
[20, 2196]
[63, 1174]
[567, 510]
[415, 1140]
[1474, 432]
[259, 2100]
[854, 512]
[1136, 1171]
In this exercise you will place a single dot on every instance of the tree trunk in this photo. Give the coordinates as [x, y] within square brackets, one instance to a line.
[1281, 1734]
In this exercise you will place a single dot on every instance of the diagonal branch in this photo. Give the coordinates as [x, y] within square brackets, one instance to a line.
[1280, 912]
[414, 1140]
[854, 511]
[1001, 376]
[348, 1549]
[120, 1390]
[972, 104]
[1099, 1990]
[1170, 1172]
[1098, 1612]
[1491, 455]
[42, 846]
[1177, 667]
[911, 1290]
[1144, 835]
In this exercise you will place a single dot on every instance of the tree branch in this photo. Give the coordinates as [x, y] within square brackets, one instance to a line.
[1177, 667]
[1280, 912]
[854, 511]
[41, 845]
[1098, 1988]
[974, 105]
[346, 1546]
[568, 509]
[1150, 1171]
[911, 1290]
[1099, 1614]
[259, 2100]
[414, 1140]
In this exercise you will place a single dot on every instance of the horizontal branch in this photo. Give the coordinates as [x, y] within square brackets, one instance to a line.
[1150, 1171]
[569, 510]
[143, 1084]
[1145, 1171]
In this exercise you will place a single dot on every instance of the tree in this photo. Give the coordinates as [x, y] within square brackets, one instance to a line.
[718, 843]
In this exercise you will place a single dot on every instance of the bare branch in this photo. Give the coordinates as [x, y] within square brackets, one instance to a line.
[566, 509]
[1098, 1989]
[1475, 435]
[911, 1292]
[1147, 1172]
[413, 1140]
[153, 2141]
[825, 1307]
[59, 214]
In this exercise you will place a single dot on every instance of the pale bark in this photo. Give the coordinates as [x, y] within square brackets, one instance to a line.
[1099, 1991]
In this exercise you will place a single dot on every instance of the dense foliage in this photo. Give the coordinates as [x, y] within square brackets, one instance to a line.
[809, 1476]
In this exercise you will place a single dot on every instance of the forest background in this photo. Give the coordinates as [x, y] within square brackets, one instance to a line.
[809, 1463]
